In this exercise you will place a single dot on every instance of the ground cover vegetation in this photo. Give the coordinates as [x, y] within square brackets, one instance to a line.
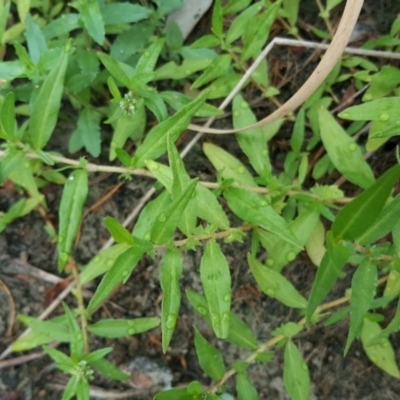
[120, 68]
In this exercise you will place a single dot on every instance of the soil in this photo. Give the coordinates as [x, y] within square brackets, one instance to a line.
[26, 247]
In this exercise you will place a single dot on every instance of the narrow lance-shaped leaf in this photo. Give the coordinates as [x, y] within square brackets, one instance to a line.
[71, 208]
[227, 165]
[180, 179]
[7, 164]
[92, 19]
[117, 231]
[363, 288]
[149, 58]
[253, 143]
[210, 358]
[47, 104]
[328, 272]
[171, 271]
[383, 224]
[119, 272]
[155, 143]
[239, 334]
[275, 285]
[77, 344]
[295, 373]
[244, 388]
[252, 208]
[382, 355]
[7, 116]
[114, 328]
[217, 19]
[216, 280]
[343, 151]
[167, 221]
[356, 217]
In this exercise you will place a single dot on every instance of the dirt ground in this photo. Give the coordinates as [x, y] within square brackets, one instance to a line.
[26, 247]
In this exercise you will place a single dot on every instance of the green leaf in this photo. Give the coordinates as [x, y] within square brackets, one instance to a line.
[205, 41]
[7, 117]
[252, 208]
[359, 215]
[109, 370]
[235, 6]
[244, 388]
[383, 110]
[117, 69]
[155, 142]
[62, 25]
[383, 224]
[87, 134]
[217, 20]
[154, 102]
[239, 24]
[216, 280]
[257, 32]
[253, 142]
[275, 285]
[149, 215]
[217, 68]
[171, 271]
[239, 334]
[63, 361]
[102, 262]
[382, 355]
[228, 166]
[119, 272]
[71, 388]
[328, 272]
[71, 208]
[123, 13]
[177, 100]
[363, 289]
[45, 109]
[188, 67]
[295, 373]
[207, 205]
[210, 358]
[343, 151]
[281, 252]
[76, 345]
[167, 221]
[97, 354]
[382, 83]
[115, 328]
[43, 332]
[19, 209]
[7, 164]
[148, 60]
[35, 39]
[173, 394]
[297, 138]
[117, 231]
[92, 19]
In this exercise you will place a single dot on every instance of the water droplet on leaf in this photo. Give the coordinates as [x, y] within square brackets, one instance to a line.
[290, 256]
[244, 106]
[162, 217]
[384, 117]
[271, 292]
[352, 147]
[227, 297]
[171, 321]
[131, 331]
[202, 310]
[241, 170]
[215, 319]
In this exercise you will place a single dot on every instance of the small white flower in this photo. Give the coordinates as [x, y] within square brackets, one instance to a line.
[128, 104]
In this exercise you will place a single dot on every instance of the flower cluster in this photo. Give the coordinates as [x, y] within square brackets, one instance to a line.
[128, 104]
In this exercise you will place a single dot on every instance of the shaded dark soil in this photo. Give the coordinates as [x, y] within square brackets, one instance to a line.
[25, 244]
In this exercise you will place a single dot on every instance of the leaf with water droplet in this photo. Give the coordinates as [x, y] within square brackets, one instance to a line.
[162, 231]
[383, 356]
[171, 271]
[340, 148]
[295, 373]
[227, 165]
[363, 287]
[216, 280]
[239, 334]
[122, 268]
[210, 358]
[275, 285]
[148, 60]
[246, 205]
[115, 328]
[76, 345]
[253, 143]
[71, 209]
